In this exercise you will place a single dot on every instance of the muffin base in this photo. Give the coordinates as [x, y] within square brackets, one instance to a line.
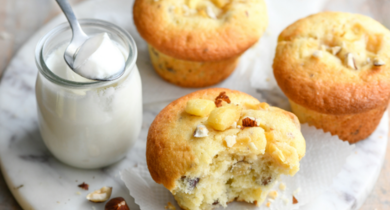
[191, 73]
[349, 127]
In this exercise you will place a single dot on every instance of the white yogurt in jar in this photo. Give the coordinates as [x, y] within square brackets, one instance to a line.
[92, 126]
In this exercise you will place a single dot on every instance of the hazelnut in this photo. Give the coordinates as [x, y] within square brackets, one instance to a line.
[99, 196]
[117, 203]
[249, 122]
[220, 98]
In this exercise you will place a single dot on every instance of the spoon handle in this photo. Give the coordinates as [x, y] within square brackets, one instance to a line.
[74, 24]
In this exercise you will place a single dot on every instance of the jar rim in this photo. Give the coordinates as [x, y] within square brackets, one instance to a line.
[48, 74]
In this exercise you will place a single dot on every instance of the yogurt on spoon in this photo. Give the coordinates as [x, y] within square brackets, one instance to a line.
[99, 58]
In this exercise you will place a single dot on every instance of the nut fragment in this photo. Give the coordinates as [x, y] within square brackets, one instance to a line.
[317, 54]
[201, 131]
[378, 62]
[230, 140]
[222, 97]
[253, 146]
[83, 186]
[335, 50]
[295, 201]
[249, 122]
[210, 12]
[117, 203]
[99, 196]
[350, 60]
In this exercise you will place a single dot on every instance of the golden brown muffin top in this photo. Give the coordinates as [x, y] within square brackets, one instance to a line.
[334, 63]
[177, 145]
[201, 30]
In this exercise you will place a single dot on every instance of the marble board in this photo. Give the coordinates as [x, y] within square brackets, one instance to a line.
[39, 181]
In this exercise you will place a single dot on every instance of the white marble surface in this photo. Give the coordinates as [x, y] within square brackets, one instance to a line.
[38, 181]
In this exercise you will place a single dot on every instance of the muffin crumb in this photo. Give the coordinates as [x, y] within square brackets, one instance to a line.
[273, 194]
[170, 206]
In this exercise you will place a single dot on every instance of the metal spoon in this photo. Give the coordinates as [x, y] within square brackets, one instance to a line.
[78, 39]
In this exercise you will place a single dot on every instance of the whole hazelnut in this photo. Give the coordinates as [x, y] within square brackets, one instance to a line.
[117, 203]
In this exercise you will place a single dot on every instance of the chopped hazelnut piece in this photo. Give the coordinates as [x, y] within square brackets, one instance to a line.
[253, 146]
[378, 62]
[249, 122]
[210, 12]
[317, 54]
[222, 97]
[201, 131]
[230, 140]
[295, 201]
[335, 50]
[83, 186]
[99, 196]
[350, 60]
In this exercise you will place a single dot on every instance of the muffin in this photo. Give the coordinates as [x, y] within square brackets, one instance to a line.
[214, 146]
[334, 68]
[197, 43]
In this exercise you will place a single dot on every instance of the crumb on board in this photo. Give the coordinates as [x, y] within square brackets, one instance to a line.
[282, 186]
[170, 206]
[298, 190]
[268, 204]
[273, 194]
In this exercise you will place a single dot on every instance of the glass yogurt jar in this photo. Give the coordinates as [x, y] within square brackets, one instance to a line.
[85, 123]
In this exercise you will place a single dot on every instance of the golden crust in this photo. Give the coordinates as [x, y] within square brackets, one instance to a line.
[326, 84]
[200, 38]
[350, 127]
[191, 73]
[170, 152]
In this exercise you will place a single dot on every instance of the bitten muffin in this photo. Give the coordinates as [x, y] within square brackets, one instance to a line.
[217, 145]
[334, 68]
[197, 43]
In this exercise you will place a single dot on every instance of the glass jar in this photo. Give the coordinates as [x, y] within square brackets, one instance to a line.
[88, 124]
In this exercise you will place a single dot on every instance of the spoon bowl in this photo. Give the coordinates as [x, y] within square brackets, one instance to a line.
[79, 37]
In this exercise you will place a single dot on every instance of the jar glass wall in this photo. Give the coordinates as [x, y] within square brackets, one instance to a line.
[88, 124]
